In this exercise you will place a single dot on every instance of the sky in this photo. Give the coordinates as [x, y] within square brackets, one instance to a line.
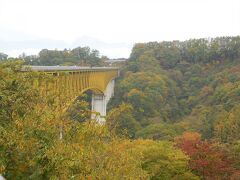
[111, 26]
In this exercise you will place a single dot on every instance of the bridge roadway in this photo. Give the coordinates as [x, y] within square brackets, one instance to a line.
[66, 68]
[75, 80]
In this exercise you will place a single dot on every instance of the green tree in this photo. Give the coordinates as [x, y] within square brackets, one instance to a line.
[121, 121]
[163, 161]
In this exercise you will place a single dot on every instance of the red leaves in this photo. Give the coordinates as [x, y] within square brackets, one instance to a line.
[206, 159]
[235, 69]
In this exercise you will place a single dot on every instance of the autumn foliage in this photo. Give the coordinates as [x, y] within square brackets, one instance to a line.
[206, 159]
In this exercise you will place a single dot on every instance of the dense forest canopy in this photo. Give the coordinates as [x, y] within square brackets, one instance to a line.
[171, 88]
[171, 53]
[172, 81]
[175, 115]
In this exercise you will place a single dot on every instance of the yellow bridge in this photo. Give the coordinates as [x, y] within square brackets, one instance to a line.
[72, 81]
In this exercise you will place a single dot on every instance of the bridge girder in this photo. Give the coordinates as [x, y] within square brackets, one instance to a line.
[66, 85]
[74, 83]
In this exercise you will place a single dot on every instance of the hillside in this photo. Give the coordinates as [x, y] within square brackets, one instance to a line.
[172, 88]
[195, 82]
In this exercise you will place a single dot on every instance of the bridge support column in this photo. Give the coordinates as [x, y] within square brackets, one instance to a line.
[99, 107]
[109, 92]
[100, 101]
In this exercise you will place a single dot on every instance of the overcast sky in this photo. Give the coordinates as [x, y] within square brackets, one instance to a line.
[112, 26]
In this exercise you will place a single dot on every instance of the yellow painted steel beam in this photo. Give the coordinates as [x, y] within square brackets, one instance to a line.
[68, 85]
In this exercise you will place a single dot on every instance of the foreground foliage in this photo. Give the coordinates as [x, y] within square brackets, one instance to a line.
[30, 145]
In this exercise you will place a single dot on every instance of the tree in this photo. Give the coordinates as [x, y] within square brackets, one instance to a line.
[121, 121]
[80, 109]
[206, 159]
[227, 126]
[160, 131]
[17, 98]
[3, 56]
[82, 56]
[163, 161]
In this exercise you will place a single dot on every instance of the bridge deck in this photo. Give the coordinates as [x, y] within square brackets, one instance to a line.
[66, 68]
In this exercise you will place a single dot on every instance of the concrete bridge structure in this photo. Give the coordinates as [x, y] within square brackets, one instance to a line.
[69, 82]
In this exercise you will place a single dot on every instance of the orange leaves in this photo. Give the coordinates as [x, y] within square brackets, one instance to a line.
[190, 136]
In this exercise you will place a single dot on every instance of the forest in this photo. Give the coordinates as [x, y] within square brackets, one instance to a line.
[175, 115]
[83, 56]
